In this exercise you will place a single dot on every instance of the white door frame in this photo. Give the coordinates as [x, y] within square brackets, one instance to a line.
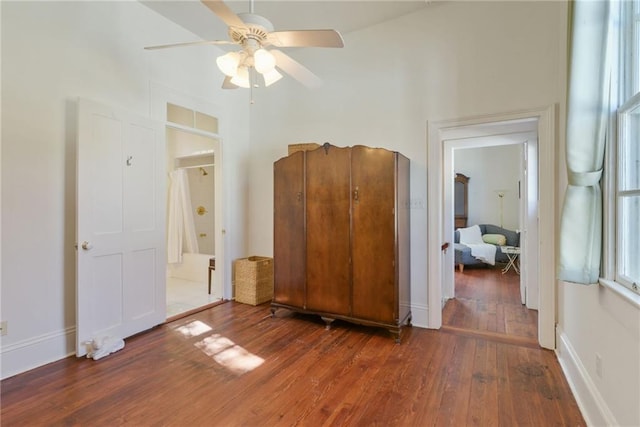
[160, 96]
[438, 133]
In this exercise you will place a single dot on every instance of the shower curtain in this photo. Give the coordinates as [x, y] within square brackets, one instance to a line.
[181, 232]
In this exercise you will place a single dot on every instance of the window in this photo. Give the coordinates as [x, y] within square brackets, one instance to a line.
[627, 147]
[191, 118]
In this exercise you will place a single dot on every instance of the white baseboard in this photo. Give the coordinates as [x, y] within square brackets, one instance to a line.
[593, 407]
[35, 352]
[420, 315]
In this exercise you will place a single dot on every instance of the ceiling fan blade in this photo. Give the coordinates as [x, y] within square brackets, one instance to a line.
[165, 46]
[223, 11]
[295, 69]
[306, 38]
[226, 84]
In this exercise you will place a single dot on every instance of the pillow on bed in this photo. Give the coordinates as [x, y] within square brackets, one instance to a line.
[494, 239]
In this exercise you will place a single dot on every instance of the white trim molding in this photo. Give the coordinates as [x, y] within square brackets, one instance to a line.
[592, 406]
[37, 351]
[420, 315]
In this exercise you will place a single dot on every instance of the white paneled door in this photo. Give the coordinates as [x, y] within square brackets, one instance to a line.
[120, 281]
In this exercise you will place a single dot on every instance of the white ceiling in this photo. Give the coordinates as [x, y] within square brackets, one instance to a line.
[342, 15]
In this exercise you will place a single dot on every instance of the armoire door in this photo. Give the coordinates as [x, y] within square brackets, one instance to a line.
[328, 219]
[374, 234]
[289, 235]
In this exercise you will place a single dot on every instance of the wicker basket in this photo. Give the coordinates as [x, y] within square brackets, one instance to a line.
[253, 279]
[302, 147]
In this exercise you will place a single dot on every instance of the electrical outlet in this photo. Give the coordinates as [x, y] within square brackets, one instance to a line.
[598, 365]
[3, 327]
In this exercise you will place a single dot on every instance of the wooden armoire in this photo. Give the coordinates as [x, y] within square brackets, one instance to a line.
[341, 235]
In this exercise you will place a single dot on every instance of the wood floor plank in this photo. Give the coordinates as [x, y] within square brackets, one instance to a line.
[488, 300]
[235, 365]
[392, 383]
[508, 407]
[437, 380]
[483, 395]
[308, 380]
[430, 381]
[347, 407]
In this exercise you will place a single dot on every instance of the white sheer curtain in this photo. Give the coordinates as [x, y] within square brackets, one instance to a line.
[587, 115]
[181, 231]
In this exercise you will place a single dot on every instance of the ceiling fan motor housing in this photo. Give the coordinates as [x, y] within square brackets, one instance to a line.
[254, 35]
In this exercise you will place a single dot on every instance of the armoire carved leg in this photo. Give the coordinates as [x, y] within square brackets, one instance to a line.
[328, 322]
[396, 332]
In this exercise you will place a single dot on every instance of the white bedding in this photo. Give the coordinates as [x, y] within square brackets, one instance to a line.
[472, 237]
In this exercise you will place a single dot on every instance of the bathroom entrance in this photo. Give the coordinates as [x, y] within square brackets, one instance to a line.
[192, 145]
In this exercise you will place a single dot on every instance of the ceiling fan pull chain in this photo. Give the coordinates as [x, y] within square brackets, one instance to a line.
[251, 100]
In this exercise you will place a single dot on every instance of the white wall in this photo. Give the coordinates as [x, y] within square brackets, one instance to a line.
[52, 53]
[201, 188]
[492, 170]
[594, 320]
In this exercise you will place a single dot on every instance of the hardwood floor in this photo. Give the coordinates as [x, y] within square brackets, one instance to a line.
[235, 365]
[489, 302]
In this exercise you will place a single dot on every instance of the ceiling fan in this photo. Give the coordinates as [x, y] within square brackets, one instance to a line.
[254, 33]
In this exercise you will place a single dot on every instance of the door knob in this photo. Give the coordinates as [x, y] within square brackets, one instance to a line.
[86, 245]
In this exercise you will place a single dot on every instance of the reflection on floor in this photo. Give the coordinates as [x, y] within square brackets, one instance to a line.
[184, 295]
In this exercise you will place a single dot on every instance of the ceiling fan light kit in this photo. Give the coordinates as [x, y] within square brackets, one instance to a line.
[263, 61]
[241, 78]
[271, 77]
[228, 63]
[253, 33]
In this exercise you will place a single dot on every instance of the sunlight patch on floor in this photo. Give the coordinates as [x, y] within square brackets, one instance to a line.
[228, 354]
[193, 329]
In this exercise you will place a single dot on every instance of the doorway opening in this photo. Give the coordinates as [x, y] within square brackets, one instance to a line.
[489, 294]
[192, 142]
[538, 268]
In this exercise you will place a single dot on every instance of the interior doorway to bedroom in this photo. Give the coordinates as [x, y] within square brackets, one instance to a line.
[537, 238]
[489, 293]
